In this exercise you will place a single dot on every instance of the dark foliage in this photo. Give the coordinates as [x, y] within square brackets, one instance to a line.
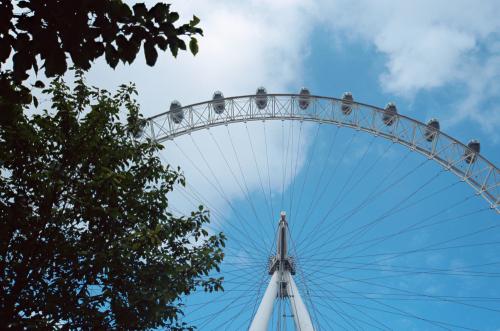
[86, 241]
[84, 30]
[53, 34]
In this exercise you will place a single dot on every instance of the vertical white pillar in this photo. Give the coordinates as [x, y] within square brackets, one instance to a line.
[300, 314]
[282, 265]
[261, 319]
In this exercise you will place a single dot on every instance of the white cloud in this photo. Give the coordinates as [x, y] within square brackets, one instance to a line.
[429, 44]
[263, 42]
[481, 102]
[245, 45]
[224, 178]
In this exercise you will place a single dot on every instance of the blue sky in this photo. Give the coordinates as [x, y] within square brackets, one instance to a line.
[434, 60]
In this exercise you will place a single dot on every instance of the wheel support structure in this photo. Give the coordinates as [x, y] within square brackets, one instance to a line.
[282, 287]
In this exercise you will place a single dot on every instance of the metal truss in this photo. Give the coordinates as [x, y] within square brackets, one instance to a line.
[282, 287]
[469, 166]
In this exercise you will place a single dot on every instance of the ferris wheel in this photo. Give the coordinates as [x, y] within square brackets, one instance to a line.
[339, 215]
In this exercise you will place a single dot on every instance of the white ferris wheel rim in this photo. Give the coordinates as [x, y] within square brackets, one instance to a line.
[481, 174]
[469, 165]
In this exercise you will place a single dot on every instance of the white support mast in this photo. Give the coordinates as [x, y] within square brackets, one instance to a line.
[282, 287]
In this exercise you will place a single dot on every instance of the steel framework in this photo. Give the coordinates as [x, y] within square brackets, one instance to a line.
[471, 167]
[282, 287]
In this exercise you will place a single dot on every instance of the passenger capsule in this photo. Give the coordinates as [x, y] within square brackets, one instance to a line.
[261, 98]
[390, 113]
[347, 103]
[431, 129]
[176, 112]
[218, 102]
[304, 98]
[474, 148]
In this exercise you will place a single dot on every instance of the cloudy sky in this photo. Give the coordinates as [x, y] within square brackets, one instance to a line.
[432, 58]
[435, 59]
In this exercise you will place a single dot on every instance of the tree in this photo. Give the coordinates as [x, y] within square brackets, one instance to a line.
[86, 237]
[51, 31]
[85, 30]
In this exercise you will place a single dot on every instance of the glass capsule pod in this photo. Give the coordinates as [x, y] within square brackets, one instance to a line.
[474, 149]
[218, 102]
[431, 129]
[347, 100]
[176, 112]
[390, 114]
[304, 98]
[261, 98]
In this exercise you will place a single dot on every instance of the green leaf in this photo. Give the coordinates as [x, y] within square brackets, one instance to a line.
[194, 22]
[39, 84]
[55, 64]
[193, 46]
[161, 42]
[159, 11]
[22, 41]
[140, 9]
[181, 44]
[125, 11]
[22, 62]
[35, 102]
[174, 49]
[173, 17]
[23, 4]
[5, 49]
[150, 53]
[111, 55]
